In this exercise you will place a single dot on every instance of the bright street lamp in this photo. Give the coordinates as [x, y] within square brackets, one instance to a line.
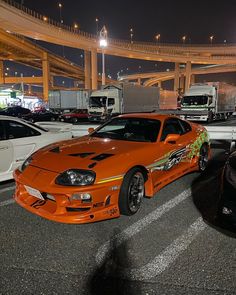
[211, 39]
[103, 44]
[183, 39]
[157, 37]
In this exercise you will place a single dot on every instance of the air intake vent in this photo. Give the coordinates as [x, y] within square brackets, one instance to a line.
[101, 157]
[81, 155]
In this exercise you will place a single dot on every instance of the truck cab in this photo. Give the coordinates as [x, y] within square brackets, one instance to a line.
[199, 102]
[103, 104]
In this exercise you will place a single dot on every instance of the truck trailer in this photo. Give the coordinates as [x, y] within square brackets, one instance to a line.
[122, 98]
[61, 100]
[208, 102]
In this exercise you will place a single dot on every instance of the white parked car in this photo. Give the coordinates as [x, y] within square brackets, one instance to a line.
[19, 139]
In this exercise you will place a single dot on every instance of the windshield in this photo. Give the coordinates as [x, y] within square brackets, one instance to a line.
[130, 129]
[97, 101]
[194, 100]
[35, 126]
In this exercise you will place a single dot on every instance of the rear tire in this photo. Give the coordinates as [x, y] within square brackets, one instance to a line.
[132, 191]
[203, 157]
[74, 120]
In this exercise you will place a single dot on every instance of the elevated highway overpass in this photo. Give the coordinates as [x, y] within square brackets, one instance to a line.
[21, 20]
[153, 78]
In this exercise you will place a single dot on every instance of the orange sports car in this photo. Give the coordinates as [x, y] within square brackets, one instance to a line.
[108, 172]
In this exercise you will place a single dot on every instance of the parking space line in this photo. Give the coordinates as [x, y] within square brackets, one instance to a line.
[139, 225]
[6, 189]
[7, 202]
[162, 261]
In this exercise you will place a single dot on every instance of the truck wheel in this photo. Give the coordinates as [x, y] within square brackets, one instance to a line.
[210, 117]
[132, 191]
[203, 157]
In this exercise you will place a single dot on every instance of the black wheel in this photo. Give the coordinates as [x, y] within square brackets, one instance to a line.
[53, 119]
[31, 120]
[132, 191]
[74, 120]
[203, 157]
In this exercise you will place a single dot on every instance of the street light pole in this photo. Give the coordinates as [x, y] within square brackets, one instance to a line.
[103, 44]
[97, 20]
[131, 35]
[60, 7]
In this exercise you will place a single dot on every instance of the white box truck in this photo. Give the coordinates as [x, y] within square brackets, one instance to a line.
[113, 100]
[208, 101]
[61, 100]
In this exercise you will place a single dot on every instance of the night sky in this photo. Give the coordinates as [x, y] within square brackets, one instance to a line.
[172, 19]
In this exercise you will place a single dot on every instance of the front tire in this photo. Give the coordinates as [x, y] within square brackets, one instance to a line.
[74, 120]
[203, 157]
[132, 192]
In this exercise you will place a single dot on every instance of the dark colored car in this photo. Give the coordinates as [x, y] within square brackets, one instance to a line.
[227, 202]
[16, 111]
[41, 116]
[75, 116]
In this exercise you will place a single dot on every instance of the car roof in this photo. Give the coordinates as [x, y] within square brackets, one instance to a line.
[3, 117]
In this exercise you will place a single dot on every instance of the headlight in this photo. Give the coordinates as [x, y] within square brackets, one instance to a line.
[76, 177]
[25, 164]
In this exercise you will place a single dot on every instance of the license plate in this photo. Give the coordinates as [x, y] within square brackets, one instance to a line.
[34, 192]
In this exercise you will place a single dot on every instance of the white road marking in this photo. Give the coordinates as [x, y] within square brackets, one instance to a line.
[139, 225]
[7, 202]
[6, 189]
[162, 261]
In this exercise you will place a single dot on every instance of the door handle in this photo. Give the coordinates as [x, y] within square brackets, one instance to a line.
[4, 148]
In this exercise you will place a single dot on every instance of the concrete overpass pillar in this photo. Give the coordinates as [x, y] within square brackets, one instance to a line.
[159, 84]
[192, 79]
[29, 88]
[176, 79]
[45, 67]
[87, 69]
[188, 75]
[139, 81]
[181, 84]
[1, 72]
[94, 70]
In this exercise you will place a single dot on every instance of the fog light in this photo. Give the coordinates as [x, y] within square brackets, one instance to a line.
[84, 197]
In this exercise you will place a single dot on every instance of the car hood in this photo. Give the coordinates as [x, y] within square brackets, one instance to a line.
[89, 153]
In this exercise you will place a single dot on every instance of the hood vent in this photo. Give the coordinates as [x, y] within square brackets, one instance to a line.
[81, 155]
[55, 150]
[92, 165]
[101, 157]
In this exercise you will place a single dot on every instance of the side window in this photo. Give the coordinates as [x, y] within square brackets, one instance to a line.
[171, 126]
[2, 131]
[186, 126]
[111, 101]
[18, 130]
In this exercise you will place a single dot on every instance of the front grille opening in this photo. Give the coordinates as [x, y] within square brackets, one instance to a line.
[80, 209]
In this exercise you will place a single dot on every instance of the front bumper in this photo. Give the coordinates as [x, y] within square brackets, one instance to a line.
[57, 205]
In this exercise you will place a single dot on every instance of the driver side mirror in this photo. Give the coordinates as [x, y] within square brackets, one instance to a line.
[90, 130]
[171, 138]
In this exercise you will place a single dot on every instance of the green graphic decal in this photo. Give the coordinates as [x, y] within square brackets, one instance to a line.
[196, 145]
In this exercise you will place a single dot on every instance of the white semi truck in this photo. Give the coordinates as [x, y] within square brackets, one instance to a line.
[122, 98]
[208, 101]
[61, 100]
